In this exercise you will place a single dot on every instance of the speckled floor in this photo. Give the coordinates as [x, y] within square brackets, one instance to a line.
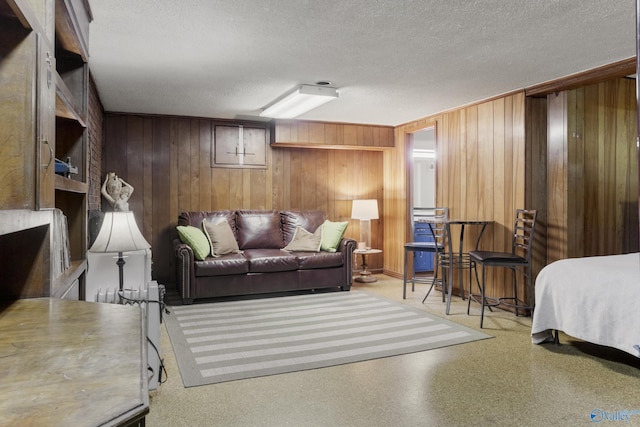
[503, 381]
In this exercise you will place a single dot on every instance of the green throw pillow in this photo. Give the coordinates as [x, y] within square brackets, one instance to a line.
[332, 232]
[195, 238]
[304, 241]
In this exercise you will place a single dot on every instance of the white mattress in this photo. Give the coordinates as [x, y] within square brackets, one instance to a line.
[595, 299]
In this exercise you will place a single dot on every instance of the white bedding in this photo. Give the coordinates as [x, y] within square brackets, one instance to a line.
[595, 299]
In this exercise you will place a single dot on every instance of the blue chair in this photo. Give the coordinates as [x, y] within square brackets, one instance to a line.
[435, 246]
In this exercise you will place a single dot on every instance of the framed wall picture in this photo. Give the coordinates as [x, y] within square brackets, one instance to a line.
[238, 146]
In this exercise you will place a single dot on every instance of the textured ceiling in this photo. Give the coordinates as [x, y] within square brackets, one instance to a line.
[393, 61]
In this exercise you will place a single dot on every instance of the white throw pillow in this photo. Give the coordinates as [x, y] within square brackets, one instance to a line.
[304, 241]
[220, 237]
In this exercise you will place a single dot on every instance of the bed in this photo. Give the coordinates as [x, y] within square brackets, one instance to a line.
[594, 299]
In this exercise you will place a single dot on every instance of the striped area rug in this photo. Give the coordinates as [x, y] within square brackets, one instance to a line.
[225, 341]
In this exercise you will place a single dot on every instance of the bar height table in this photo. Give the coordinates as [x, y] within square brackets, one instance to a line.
[459, 259]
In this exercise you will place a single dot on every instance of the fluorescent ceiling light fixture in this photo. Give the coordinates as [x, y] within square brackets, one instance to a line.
[424, 153]
[304, 98]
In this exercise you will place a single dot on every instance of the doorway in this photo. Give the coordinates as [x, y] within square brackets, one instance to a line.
[422, 190]
[423, 156]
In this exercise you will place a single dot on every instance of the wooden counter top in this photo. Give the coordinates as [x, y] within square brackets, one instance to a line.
[71, 363]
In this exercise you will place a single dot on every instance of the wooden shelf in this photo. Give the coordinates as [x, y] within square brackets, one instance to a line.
[61, 284]
[72, 26]
[65, 103]
[13, 221]
[68, 184]
[22, 11]
[329, 147]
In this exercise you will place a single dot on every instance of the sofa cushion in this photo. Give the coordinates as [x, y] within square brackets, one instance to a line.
[305, 241]
[332, 233]
[309, 220]
[270, 260]
[312, 260]
[259, 230]
[220, 237]
[222, 266]
[195, 238]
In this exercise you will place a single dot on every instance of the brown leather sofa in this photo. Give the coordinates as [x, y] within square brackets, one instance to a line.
[262, 266]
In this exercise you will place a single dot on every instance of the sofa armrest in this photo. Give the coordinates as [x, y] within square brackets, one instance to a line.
[347, 244]
[185, 271]
[346, 247]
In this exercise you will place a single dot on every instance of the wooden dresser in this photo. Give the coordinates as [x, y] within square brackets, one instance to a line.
[72, 363]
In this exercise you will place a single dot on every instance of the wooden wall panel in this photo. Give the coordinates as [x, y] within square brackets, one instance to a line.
[480, 173]
[168, 161]
[469, 167]
[593, 171]
[162, 171]
[395, 211]
[535, 156]
[492, 158]
[556, 178]
[204, 164]
[575, 153]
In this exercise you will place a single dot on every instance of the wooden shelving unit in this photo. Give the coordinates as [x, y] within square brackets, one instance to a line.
[65, 104]
[45, 75]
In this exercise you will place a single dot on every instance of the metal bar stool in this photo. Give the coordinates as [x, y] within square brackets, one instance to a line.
[518, 260]
[433, 247]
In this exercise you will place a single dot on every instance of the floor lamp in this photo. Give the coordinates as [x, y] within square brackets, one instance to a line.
[119, 233]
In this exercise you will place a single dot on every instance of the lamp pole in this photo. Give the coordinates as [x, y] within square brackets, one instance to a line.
[120, 263]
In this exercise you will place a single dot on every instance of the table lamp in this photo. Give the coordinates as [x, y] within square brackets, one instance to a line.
[365, 211]
[119, 233]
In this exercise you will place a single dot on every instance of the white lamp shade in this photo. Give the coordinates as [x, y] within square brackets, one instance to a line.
[364, 209]
[119, 233]
[304, 98]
